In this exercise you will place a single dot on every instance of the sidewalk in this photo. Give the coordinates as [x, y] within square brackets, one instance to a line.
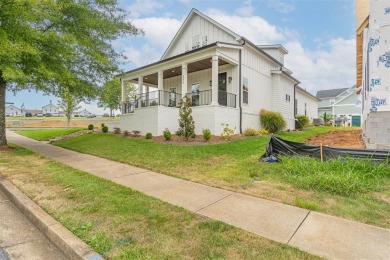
[19, 238]
[316, 233]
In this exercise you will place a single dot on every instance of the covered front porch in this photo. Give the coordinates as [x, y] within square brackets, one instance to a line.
[209, 77]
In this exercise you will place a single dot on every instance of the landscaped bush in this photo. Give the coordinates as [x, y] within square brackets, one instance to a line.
[250, 132]
[262, 132]
[125, 133]
[227, 131]
[102, 125]
[117, 130]
[148, 136]
[167, 134]
[301, 121]
[186, 121]
[206, 134]
[344, 176]
[271, 121]
[105, 129]
[136, 133]
[90, 127]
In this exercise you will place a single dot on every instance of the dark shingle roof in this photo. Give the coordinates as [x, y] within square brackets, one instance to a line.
[329, 93]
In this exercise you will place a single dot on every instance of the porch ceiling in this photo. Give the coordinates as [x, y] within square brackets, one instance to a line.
[173, 72]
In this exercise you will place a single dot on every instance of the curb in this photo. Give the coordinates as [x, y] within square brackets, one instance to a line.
[69, 244]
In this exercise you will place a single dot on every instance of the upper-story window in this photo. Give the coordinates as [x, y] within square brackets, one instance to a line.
[288, 97]
[245, 91]
[305, 109]
[204, 40]
[195, 42]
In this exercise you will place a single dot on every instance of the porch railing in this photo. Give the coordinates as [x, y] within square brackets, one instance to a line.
[172, 99]
[201, 98]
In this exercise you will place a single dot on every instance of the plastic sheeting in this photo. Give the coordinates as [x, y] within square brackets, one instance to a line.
[279, 146]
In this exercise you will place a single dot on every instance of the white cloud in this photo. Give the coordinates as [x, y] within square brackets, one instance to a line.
[281, 6]
[254, 28]
[144, 7]
[158, 30]
[137, 57]
[246, 8]
[323, 69]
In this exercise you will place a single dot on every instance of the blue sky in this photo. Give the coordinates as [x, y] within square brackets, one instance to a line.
[319, 35]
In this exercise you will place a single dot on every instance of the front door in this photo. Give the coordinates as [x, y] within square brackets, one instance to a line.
[222, 95]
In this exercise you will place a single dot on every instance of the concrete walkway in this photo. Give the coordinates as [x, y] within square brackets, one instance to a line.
[20, 239]
[316, 233]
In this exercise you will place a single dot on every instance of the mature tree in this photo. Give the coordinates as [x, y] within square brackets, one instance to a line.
[110, 95]
[54, 45]
[69, 104]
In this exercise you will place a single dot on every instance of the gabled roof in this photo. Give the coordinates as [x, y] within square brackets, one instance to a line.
[330, 93]
[274, 46]
[188, 19]
[306, 92]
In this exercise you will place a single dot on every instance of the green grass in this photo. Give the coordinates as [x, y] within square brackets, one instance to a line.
[121, 223]
[351, 189]
[46, 134]
[302, 203]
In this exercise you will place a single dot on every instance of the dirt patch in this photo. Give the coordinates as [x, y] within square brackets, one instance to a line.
[352, 138]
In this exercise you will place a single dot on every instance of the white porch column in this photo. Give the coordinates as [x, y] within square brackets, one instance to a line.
[214, 80]
[147, 95]
[160, 84]
[123, 96]
[183, 80]
[140, 90]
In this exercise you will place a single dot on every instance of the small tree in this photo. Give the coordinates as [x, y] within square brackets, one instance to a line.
[327, 118]
[186, 122]
[110, 95]
[69, 104]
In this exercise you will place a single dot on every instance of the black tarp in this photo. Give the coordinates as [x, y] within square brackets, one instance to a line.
[278, 146]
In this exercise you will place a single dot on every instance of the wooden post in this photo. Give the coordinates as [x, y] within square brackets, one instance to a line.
[322, 157]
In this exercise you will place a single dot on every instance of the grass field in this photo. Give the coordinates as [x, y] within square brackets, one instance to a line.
[120, 223]
[343, 188]
[46, 134]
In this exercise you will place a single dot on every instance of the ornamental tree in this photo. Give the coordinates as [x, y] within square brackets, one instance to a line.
[53, 46]
[186, 122]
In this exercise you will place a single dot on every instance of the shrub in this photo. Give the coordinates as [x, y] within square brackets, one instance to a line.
[250, 132]
[227, 132]
[90, 127]
[117, 130]
[102, 125]
[105, 129]
[271, 121]
[186, 122]
[136, 133]
[125, 133]
[262, 132]
[301, 121]
[206, 134]
[167, 134]
[148, 136]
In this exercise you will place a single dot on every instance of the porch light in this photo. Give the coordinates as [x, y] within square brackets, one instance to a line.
[211, 83]
[230, 79]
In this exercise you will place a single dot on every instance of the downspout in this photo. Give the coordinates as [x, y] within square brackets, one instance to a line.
[240, 86]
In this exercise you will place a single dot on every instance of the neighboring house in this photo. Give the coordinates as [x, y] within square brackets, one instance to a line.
[12, 110]
[34, 112]
[306, 104]
[228, 79]
[84, 113]
[50, 108]
[373, 70]
[340, 103]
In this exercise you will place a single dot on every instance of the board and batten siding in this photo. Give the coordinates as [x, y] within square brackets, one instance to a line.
[198, 26]
[311, 105]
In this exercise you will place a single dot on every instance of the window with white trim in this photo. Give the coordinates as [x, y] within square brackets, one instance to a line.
[288, 98]
[245, 91]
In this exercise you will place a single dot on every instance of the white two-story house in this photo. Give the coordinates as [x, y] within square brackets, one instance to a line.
[50, 109]
[228, 78]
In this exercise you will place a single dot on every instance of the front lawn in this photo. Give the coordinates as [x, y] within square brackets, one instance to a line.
[121, 223]
[47, 134]
[234, 166]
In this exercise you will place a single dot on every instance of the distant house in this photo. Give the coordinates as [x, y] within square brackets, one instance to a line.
[84, 113]
[339, 103]
[12, 110]
[50, 108]
[34, 112]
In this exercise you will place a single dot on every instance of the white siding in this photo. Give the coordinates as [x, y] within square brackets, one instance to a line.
[312, 105]
[49, 109]
[198, 26]
[286, 108]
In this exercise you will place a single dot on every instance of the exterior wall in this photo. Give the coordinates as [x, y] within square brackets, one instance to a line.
[323, 111]
[376, 130]
[326, 102]
[311, 105]
[257, 69]
[347, 106]
[155, 119]
[275, 53]
[198, 26]
[49, 109]
[12, 111]
[83, 113]
[286, 108]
